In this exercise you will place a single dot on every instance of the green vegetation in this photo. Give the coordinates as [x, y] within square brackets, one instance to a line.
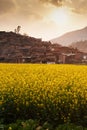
[35, 125]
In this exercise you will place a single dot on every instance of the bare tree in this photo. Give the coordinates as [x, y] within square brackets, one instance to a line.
[17, 30]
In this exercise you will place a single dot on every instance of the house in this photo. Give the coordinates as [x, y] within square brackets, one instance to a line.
[66, 58]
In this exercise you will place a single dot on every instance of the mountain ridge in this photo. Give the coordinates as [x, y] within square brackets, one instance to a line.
[71, 37]
[81, 46]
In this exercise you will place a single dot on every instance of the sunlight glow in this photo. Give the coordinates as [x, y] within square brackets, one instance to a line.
[60, 16]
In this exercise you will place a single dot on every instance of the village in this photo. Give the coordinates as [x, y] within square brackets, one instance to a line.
[16, 48]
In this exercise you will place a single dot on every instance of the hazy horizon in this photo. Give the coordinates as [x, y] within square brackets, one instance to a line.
[44, 19]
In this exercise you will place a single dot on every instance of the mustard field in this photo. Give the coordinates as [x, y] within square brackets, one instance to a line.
[53, 93]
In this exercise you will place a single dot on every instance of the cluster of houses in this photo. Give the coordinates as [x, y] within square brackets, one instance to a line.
[16, 48]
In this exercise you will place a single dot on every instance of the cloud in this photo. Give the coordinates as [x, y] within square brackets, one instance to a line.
[79, 7]
[30, 9]
[54, 2]
[25, 9]
[38, 9]
[76, 6]
[6, 6]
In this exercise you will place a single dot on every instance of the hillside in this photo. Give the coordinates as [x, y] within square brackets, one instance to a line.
[17, 48]
[81, 45]
[71, 37]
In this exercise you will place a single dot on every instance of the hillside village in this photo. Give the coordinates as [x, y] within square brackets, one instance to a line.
[17, 48]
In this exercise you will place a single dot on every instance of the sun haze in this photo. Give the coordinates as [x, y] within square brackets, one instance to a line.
[60, 16]
[44, 19]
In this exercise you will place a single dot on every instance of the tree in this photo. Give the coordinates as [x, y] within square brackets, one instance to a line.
[17, 30]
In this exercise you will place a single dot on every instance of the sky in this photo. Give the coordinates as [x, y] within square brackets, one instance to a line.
[46, 19]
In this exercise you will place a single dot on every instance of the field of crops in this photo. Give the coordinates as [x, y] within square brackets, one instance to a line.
[53, 93]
